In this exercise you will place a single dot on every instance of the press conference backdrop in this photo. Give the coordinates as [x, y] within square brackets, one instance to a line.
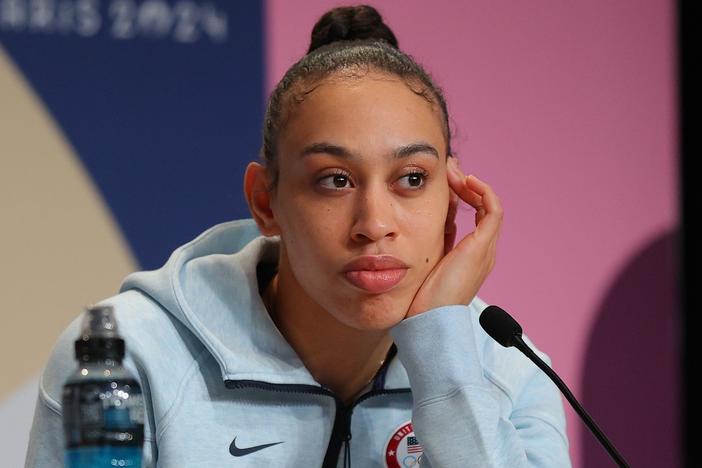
[125, 127]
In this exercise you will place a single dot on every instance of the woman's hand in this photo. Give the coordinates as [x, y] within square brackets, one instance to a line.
[458, 276]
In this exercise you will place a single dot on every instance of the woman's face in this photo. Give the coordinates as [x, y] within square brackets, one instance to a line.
[362, 175]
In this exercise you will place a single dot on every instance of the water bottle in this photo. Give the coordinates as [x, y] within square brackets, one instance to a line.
[103, 411]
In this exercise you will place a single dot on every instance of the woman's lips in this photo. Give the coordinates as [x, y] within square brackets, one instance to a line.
[375, 273]
[375, 281]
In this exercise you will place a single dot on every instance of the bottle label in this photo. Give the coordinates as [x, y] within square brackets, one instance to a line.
[103, 413]
[105, 456]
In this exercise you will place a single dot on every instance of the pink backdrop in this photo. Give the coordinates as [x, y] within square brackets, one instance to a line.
[568, 110]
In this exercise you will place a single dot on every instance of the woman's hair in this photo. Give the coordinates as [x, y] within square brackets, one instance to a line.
[352, 40]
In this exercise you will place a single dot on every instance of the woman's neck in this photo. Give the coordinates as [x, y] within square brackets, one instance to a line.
[341, 358]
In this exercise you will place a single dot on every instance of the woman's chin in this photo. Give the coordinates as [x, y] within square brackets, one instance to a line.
[378, 313]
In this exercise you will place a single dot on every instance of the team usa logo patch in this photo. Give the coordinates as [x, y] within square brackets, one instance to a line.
[403, 450]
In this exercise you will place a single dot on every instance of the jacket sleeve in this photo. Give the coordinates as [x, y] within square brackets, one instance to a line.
[46, 440]
[459, 415]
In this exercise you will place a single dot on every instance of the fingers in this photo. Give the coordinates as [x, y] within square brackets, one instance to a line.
[453, 206]
[457, 180]
[450, 228]
[452, 209]
[479, 195]
[489, 215]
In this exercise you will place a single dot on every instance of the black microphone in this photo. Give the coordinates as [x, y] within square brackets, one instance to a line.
[506, 331]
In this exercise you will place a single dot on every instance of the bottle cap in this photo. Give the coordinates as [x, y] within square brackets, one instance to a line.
[99, 337]
[99, 321]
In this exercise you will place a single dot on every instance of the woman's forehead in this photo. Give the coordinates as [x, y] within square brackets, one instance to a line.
[344, 104]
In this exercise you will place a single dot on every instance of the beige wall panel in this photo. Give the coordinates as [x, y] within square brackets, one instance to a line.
[60, 247]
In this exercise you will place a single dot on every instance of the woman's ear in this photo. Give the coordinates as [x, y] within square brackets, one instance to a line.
[258, 197]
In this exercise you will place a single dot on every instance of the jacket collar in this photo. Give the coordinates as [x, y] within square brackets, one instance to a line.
[211, 286]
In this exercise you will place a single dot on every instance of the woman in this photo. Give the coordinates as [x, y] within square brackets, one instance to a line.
[340, 325]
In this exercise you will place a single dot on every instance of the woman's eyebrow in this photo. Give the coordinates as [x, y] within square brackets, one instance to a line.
[340, 151]
[328, 148]
[421, 147]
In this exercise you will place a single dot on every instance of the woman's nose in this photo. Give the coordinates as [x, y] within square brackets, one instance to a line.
[374, 217]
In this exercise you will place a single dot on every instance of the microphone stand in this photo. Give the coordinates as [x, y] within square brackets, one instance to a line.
[519, 343]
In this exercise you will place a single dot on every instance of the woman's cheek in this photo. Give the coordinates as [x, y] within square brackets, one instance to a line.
[424, 220]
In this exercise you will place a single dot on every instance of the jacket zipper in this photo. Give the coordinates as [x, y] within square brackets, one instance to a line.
[341, 431]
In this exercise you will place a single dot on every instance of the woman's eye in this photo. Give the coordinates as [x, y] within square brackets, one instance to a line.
[414, 180]
[335, 181]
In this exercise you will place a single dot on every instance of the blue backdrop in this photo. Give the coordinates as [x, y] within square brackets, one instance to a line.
[162, 101]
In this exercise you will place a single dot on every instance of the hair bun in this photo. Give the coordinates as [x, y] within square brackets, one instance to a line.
[349, 23]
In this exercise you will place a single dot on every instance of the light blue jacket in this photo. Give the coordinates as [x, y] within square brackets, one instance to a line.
[219, 377]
